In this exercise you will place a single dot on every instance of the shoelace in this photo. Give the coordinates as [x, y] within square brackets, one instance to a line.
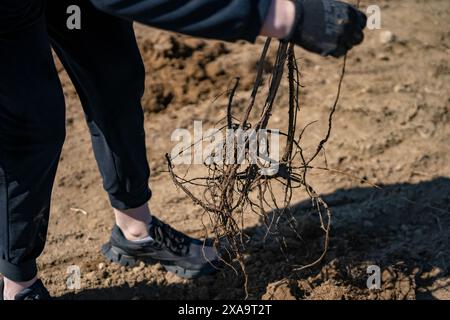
[168, 237]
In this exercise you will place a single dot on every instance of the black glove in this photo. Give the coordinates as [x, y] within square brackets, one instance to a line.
[327, 27]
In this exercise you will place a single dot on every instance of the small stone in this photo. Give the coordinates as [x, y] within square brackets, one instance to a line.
[101, 266]
[91, 276]
[140, 278]
[103, 274]
[137, 269]
[276, 291]
[416, 271]
[427, 130]
[387, 37]
[383, 57]
[435, 272]
[400, 88]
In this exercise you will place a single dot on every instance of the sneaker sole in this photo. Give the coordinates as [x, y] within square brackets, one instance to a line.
[117, 255]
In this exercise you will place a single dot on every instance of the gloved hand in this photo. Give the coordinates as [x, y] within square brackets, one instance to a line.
[327, 27]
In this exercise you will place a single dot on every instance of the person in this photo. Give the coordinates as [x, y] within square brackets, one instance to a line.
[105, 66]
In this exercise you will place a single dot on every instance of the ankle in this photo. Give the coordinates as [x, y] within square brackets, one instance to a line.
[134, 232]
[12, 288]
[134, 222]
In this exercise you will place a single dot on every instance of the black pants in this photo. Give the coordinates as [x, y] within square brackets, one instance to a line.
[105, 66]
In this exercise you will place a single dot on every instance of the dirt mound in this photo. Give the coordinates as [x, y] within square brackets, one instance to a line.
[183, 70]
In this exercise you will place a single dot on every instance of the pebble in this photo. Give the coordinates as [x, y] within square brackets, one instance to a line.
[140, 278]
[103, 275]
[137, 269]
[432, 274]
[91, 276]
[383, 57]
[101, 266]
[398, 88]
[402, 88]
[387, 37]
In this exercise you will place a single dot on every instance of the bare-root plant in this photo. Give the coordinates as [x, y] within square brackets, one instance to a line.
[230, 189]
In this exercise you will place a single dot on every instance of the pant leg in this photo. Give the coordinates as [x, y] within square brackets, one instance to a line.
[32, 132]
[105, 65]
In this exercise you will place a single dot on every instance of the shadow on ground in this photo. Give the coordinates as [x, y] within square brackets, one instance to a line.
[402, 228]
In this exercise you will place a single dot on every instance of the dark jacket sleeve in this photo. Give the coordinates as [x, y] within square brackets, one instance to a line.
[228, 20]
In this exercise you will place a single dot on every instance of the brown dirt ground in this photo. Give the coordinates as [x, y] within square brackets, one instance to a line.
[392, 127]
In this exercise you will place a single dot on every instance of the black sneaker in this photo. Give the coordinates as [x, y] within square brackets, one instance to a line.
[36, 292]
[177, 252]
